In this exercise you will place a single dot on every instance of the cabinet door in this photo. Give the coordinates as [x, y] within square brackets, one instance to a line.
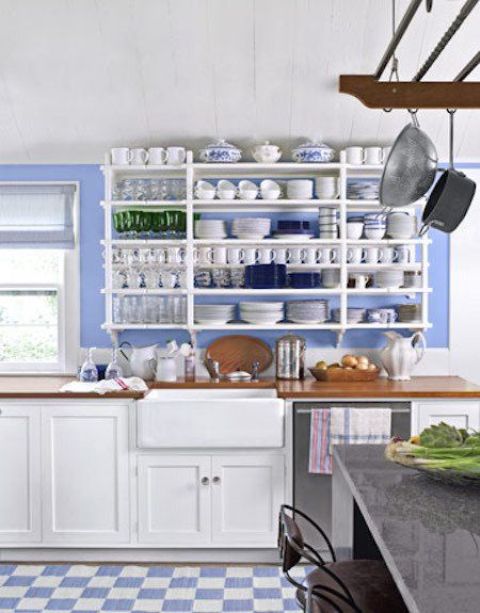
[174, 499]
[20, 503]
[458, 413]
[86, 497]
[247, 492]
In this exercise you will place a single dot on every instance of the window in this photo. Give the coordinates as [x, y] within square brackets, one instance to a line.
[39, 326]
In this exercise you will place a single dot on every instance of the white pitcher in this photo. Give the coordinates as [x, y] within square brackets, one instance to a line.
[401, 354]
[141, 360]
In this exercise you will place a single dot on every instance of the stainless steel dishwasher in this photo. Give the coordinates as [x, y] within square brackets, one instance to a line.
[312, 493]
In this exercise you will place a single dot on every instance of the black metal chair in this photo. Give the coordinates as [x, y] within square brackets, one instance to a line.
[351, 586]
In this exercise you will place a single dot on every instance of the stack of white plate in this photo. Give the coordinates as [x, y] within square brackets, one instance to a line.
[363, 189]
[327, 223]
[401, 225]
[261, 313]
[214, 314]
[211, 229]
[251, 228]
[355, 315]
[389, 278]
[300, 189]
[326, 188]
[307, 311]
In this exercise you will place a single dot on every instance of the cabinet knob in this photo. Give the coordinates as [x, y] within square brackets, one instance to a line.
[216, 479]
[205, 481]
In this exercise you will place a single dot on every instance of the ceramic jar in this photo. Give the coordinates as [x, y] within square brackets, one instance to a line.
[313, 152]
[221, 151]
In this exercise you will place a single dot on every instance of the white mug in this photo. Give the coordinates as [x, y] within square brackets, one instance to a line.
[265, 255]
[157, 155]
[176, 155]
[281, 255]
[295, 255]
[168, 279]
[138, 156]
[361, 281]
[326, 255]
[235, 255]
[374, 156]
[219, 255]
[372, 255]
[175, 255]
[166, 369]
[311, 255]
[388, 255]
[405, 254]
[355, 155]
[249, 255]
[355, 255]
[120, 155]
[203, 255]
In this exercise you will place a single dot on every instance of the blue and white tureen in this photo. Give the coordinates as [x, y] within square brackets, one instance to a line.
[313, 152]
[221, 151]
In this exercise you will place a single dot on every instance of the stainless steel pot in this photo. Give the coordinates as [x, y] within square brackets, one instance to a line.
[290, 357]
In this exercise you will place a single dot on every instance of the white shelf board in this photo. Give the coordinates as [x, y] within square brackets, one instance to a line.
[144, 203]
[389, 241]
[202, 168]
[398, 326]
[394, 265]
[280, 326]
[384, 291]
[143, 242]
[143, 168]
[264, 292]
[145, 292]
[119, 327]
[266, 241]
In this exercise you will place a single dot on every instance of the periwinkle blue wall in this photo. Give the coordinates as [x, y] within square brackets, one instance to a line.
[92, 275]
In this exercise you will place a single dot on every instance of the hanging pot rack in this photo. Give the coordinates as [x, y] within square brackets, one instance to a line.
[415, 94]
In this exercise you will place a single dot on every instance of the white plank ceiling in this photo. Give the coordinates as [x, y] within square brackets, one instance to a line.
[80, 76]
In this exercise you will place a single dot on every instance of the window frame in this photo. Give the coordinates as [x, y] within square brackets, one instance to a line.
[68, 292]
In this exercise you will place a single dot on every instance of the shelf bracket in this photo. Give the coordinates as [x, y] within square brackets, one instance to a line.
[410, 94]
[339, 334]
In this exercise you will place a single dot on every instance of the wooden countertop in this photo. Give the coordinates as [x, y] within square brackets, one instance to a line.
[19, 386]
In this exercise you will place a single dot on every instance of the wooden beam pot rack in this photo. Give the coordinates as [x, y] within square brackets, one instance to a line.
[411, 94]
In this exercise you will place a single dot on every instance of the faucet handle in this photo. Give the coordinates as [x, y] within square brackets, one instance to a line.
[255, 370]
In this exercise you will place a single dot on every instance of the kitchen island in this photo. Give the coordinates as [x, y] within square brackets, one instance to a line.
[427, 532]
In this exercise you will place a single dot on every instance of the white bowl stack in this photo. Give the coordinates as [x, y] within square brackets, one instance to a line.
[401, 225]
[261, 313]
[326, 188]
[211, 229]
[327, 223]
[307, 311]
[389, 278]
[214, 314]
[251, 228]
[300, 189]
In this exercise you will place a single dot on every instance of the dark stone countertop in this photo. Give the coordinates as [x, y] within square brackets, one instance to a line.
[427, 531]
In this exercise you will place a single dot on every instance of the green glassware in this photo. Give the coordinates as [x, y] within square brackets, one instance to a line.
[156, 223]
[145, 223]
[163, 224]
[119, 222]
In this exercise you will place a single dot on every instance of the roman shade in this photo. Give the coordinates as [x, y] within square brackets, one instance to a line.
[37, 215]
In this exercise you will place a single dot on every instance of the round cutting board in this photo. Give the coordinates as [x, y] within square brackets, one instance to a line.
[238, 352]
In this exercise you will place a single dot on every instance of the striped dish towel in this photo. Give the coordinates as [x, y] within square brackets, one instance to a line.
[319, 457]
[344, 426]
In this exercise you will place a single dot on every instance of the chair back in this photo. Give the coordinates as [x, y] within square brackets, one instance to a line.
[291, 543]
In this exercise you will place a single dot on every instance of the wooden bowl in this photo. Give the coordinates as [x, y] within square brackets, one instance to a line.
[342, 374]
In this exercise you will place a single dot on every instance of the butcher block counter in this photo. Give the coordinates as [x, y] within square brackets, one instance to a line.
[418, 387]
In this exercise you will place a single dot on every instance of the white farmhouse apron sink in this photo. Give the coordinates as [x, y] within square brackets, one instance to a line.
[210, 418]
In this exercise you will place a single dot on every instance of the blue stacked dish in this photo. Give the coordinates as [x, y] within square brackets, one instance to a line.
[375, 225]
[304, 280]
[266, 276]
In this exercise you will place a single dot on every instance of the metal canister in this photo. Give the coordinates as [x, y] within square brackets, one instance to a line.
[290, 357]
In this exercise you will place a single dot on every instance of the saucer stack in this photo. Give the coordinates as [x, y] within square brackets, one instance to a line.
[327, 223]
[326, 188]
[251, 228]
[307, 311]
[261, 313]
[389, 278]
[375, 225]
[214, 314]
[354, 315]
[364, 189]
[300, 189]
[409, 312]
[211, 229]
[293, 230]
[401, 225]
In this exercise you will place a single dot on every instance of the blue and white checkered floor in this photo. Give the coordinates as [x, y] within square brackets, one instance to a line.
[144, 589]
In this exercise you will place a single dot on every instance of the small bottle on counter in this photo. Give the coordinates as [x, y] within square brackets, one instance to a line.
[114, 370]
[189, 361]
[89, 371]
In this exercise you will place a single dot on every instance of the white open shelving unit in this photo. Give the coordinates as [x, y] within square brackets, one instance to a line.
[191, 172]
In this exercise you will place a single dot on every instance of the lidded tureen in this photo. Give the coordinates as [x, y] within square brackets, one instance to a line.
[220, 151]
[313, 151]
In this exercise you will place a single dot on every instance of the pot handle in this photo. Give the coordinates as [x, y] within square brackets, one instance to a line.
[418, 336]
[424, 229]
[126, 344]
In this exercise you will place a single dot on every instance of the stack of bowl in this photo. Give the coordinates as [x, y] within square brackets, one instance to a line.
[375, 225]
[251, 228]
[390, 278]
[327, 223]
[300, 189]
[261, 313]
[401, 225]
[326, 188]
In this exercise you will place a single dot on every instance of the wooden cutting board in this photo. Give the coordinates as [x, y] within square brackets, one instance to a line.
[238, 352]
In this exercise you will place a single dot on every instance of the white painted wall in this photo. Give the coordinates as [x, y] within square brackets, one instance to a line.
[79, 77]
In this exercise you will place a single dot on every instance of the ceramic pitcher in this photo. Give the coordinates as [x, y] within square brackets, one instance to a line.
[401, 354]
[141, 360]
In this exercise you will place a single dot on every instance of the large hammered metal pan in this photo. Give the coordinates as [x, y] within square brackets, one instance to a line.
[410, 169]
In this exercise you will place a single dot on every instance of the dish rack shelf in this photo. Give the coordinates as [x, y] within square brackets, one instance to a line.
[190, 172]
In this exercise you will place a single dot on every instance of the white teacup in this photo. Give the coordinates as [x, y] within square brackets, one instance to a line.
[354, 230]
[235, 255]
[265, 255]
[138, 156]
[176, 155]
[249, 255]
[219, 255]
[355, 155]
[327, 255]
[157, 155]
[355, 255]
[311, 256]
[295, 255]
[373, 156]
[247, 190]
[168, 279]
[371, 255]
[226, 190]
[281, 255]
[405, 254]
[175, 255]
[388, 255]
[203, 255]
[205, 190]
[120, 155]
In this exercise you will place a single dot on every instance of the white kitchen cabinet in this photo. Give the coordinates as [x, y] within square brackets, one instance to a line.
[247, 492]
[174, 499]
[85, 474]
[459, 413]
[20, 507]
[210, 500]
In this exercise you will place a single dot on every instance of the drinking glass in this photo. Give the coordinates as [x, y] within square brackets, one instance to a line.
[145, 223]
[119, 221]
[128, 189]
[163, 224]
[136, 223]
[141, 189]
[163, 314]
[118, 310]
[156, 223]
